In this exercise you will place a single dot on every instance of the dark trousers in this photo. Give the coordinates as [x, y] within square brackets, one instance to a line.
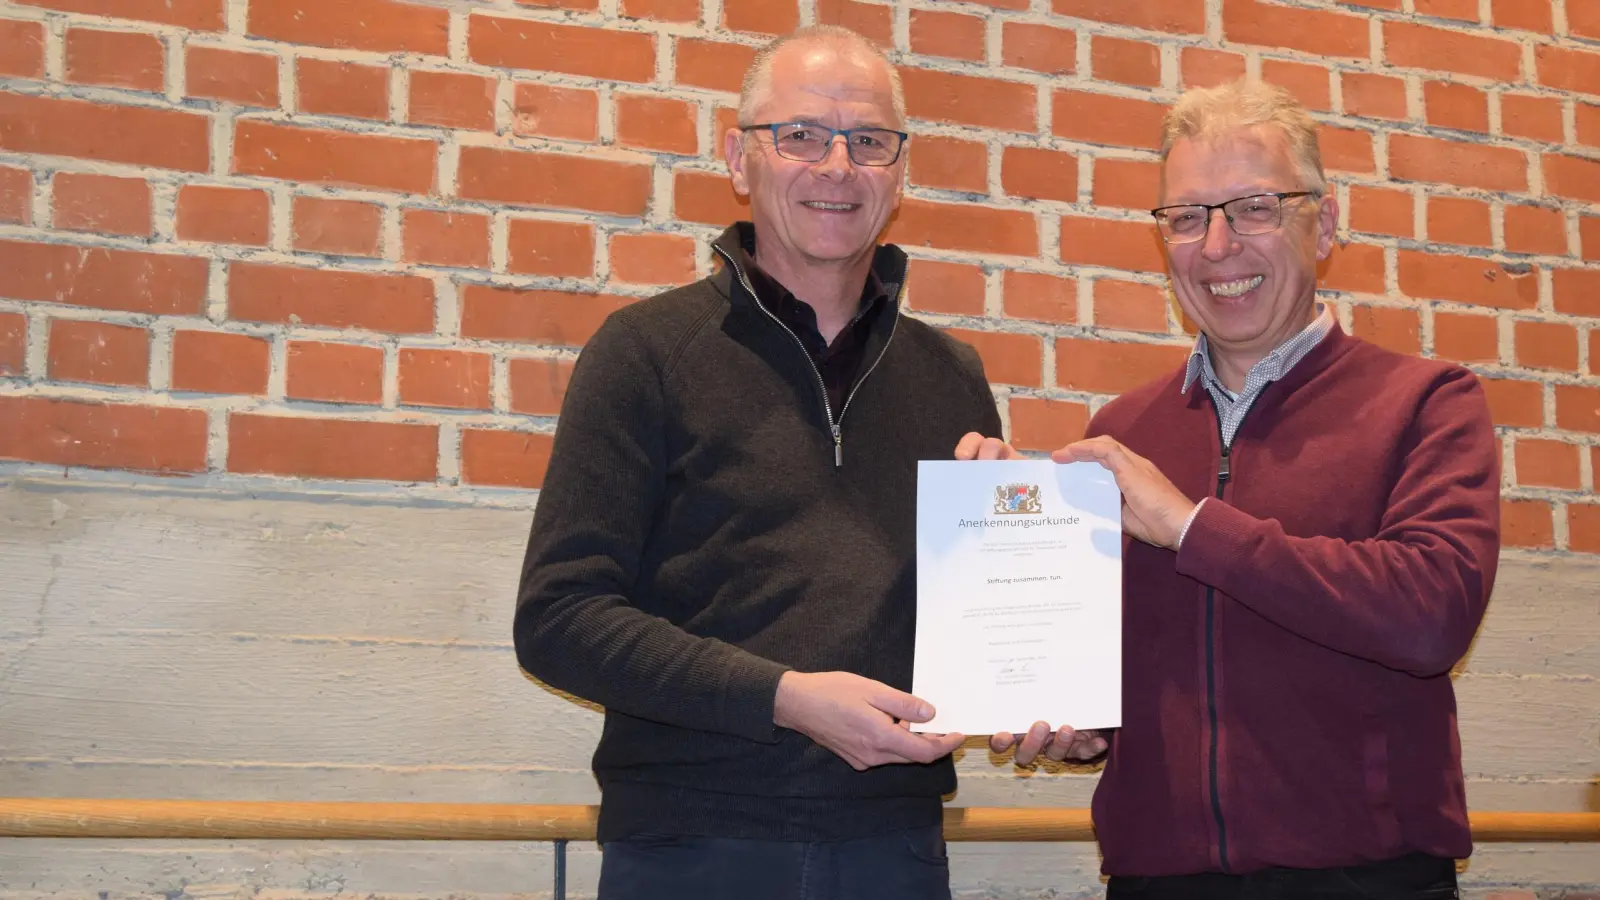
[1414, 877]
[901, 865]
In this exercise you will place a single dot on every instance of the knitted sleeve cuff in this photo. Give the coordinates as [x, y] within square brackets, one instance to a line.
[1187, 522]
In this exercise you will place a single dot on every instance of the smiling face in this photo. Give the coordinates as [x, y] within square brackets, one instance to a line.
[828, 212]
[1248, 293]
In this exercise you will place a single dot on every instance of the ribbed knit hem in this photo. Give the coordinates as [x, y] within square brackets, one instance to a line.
[628, 807]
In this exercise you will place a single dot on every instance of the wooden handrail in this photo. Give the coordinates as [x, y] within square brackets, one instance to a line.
[270, 820]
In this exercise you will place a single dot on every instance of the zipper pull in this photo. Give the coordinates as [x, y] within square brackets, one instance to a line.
[838, 447]
[1223, 470]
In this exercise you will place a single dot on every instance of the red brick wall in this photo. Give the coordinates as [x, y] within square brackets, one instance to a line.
[365, 239]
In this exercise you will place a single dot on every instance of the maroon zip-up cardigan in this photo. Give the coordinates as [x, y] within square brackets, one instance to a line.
[1287, 697]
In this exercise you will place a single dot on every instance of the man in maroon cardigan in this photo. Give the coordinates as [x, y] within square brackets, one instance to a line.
[1313, 527]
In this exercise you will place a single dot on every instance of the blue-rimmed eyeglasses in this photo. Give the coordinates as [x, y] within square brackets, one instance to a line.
[1255, 214]
[810, 142]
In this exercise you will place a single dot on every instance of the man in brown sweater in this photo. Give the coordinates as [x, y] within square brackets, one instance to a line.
[1313, 529]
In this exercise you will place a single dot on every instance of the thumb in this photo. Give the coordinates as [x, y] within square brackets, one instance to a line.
[901, 705]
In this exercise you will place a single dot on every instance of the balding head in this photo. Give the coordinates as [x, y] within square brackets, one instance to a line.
[757, 89]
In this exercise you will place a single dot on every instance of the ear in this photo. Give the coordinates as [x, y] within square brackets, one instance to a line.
[1327, 224]
[733, 152]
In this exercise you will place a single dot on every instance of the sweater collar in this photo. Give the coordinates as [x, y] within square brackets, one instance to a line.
[888, 263]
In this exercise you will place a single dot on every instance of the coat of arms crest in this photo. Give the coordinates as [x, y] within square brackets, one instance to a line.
[1017, 499]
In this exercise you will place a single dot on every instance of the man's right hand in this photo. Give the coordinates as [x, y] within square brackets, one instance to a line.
[1061, 745]
[975, 446]
[855, 718]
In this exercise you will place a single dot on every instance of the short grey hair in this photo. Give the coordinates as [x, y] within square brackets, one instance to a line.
[1212, 112]
[758, 78]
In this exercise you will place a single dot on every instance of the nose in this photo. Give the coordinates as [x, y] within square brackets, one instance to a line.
[1219, 242]
[836, 164]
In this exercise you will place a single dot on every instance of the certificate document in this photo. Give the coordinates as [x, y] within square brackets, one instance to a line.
[1019, 595]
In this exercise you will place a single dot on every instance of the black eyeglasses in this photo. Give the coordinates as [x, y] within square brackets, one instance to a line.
[810, 142]
[1255, 214]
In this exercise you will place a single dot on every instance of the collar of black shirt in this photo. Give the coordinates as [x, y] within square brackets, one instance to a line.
[798, 314]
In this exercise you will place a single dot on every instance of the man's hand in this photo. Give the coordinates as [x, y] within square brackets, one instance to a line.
[1153, 510]
[855, 718]
[1060, 745]
[975, 446]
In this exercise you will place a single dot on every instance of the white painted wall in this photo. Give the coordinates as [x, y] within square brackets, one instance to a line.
[167, 641]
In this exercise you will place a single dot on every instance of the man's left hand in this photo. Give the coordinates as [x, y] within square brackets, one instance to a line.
[1153, 510]
[975, 446]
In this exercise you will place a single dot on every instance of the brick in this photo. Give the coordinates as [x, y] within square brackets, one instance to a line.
[969, 100]
[1357, 268]
[438, 238]
[1130, 306]
[1346, 149]
[569, 49]
[708, 198]
[945, 287]
[1126, 183]
[1577, 291]
[101, 203]
[1111, 367]
[249, 79]
[772, 17]
[504, 458]
[1381, 211]
[138, 135]
[657, 123]
[949, 163]
[1465, 338]
[1104, 119]
[948, 34]
[399, 304]
[1415, 46]
[1577, 408]
[98, 352]
[336, 373]
[1040, 424]
[1113, 243]
[223, 215]
[1515, 404]
[1535, 229]
[652, 258]
[21, 48]
[1465, 10]
[1042, 48]
[1008, 358]
[534, 316]
[103, 435]
[1322, 32]
[959, 226]
[1373, 96]
[1567, 68]
[1458, 220]
[1589, 236]
[1308, 83]
[215, 362]
[548, 111]
[456, 379]
[1458, 106]
[1571, 176]
[1125, 61]
[1039, 174]
[1040, 297]
[332, 448]
[1586, 118]
[872, 20]
[1209, 68]
[383, 26]
[555, 180]
[1526, 523]
[1390, 327]
[1413, 158]
[334, 157]
[13, 343]
[1544, 463]
[1437, 276]
[1583, 536]
[1375, 4]
[126, 280]
[332, 88]
[1173, 16]
[712, 65]
[195, 15]
[323, 225]
[538, 385]
[662, 10]
[16, 195]
[538, 247]
[1530, 15]
[1583, 20]
[121, 59]
[451, 100]
[1538, 118]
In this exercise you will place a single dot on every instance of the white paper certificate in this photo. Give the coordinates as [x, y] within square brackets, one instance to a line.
[1019, 595]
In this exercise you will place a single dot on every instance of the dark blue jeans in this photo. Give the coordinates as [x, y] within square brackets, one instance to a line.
[1414, 877]
[901, 865]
